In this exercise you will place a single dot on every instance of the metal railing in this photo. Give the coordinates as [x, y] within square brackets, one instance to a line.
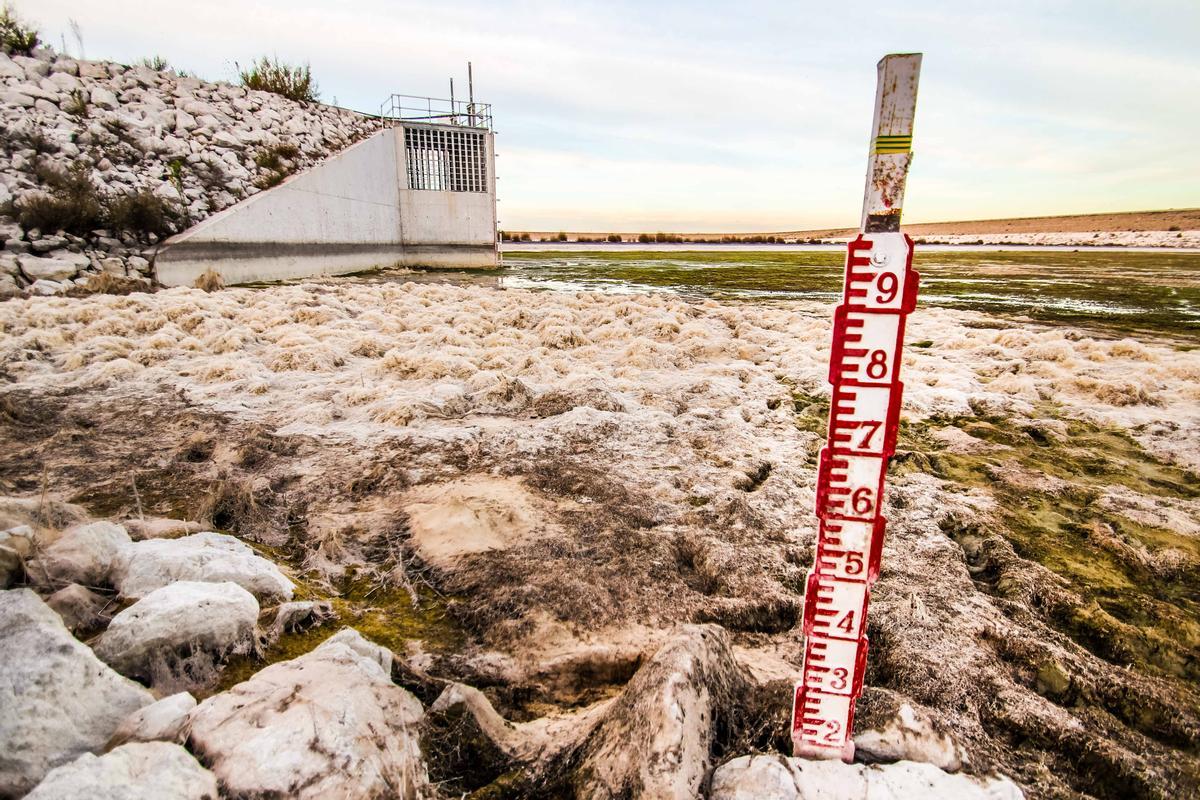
[437, 111]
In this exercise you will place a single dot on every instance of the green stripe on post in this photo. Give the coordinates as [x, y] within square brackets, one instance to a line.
[886, 145]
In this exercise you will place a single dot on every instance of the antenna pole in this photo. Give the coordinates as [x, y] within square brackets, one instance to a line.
[470, 94]
[452, 115]
[864, 416]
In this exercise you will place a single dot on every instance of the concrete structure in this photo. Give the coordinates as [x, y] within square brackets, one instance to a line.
[415, 194]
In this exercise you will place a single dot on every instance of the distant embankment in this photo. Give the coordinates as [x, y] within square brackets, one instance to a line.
[1173, 220]
[101, 161]
[1172, 228]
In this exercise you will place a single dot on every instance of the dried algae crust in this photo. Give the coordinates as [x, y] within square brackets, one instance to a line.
[658, 458]
[473, 515]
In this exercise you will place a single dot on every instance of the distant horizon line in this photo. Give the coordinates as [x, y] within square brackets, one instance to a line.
[1191, 211]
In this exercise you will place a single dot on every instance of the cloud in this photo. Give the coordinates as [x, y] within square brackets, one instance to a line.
[705, 115]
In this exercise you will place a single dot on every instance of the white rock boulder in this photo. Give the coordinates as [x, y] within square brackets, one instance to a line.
[209, 557]
[164, 721]
[103, 98]
[81, 609]
[158, 527]
[779, 778]
[52, 268]
[58, 699]
[185, 616]
[16, 543]
[656, 738]
[133, 772]
[327, 724]
[83, 554]
[910, 735]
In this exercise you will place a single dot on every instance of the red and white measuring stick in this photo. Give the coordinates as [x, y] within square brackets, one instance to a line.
[868, 332]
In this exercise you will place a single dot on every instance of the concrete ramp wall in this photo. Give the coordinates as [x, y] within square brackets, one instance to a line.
[353, 212]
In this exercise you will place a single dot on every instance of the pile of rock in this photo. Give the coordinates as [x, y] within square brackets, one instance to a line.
[198, 146]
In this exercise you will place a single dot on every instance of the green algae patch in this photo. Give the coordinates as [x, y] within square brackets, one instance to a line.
[1114, 292]
[1137, 586]
[385, 615]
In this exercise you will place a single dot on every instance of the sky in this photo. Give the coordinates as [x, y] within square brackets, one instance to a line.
[734, 117]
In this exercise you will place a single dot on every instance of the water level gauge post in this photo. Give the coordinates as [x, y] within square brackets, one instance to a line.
[879, 292]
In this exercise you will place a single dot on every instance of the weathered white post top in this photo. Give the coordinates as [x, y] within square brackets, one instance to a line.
[891, 142]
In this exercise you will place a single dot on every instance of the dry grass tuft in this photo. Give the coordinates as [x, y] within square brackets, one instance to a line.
[210, 281]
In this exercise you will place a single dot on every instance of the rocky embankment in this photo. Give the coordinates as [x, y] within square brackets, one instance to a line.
[99, 161]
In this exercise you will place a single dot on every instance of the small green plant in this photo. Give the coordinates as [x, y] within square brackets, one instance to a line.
[76, 104]
[270, 75]
[562, 237]
[1173, 228]
[156, 63]
[268, 159]
[16, 37]
[273, 160]
[614, 237]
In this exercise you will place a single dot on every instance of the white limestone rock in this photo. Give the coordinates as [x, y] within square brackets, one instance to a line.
[300, 615]
[656, 738]
[137, 771]
[217, 618]
[910, 735]
[103, 98]
[84, 554]
[52, 268]
[35, 68]
[96, 70]
[8, 69]
[211, 557]
[778, 778]
[63, 81]
[81, 609]
[58, 699]
[159, 527]
[163, 721]
[47, 288]
[16, 543]
[328, 724]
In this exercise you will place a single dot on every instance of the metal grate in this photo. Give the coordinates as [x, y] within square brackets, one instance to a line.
[445, 160]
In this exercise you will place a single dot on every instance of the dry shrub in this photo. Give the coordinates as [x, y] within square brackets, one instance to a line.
[108, 283]
[16, 37]
[141, 213]
[210, 281]
[293, 82]
[72, 203]
[231, 505]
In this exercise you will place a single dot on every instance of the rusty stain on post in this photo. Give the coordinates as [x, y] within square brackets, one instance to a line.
[890, 151]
